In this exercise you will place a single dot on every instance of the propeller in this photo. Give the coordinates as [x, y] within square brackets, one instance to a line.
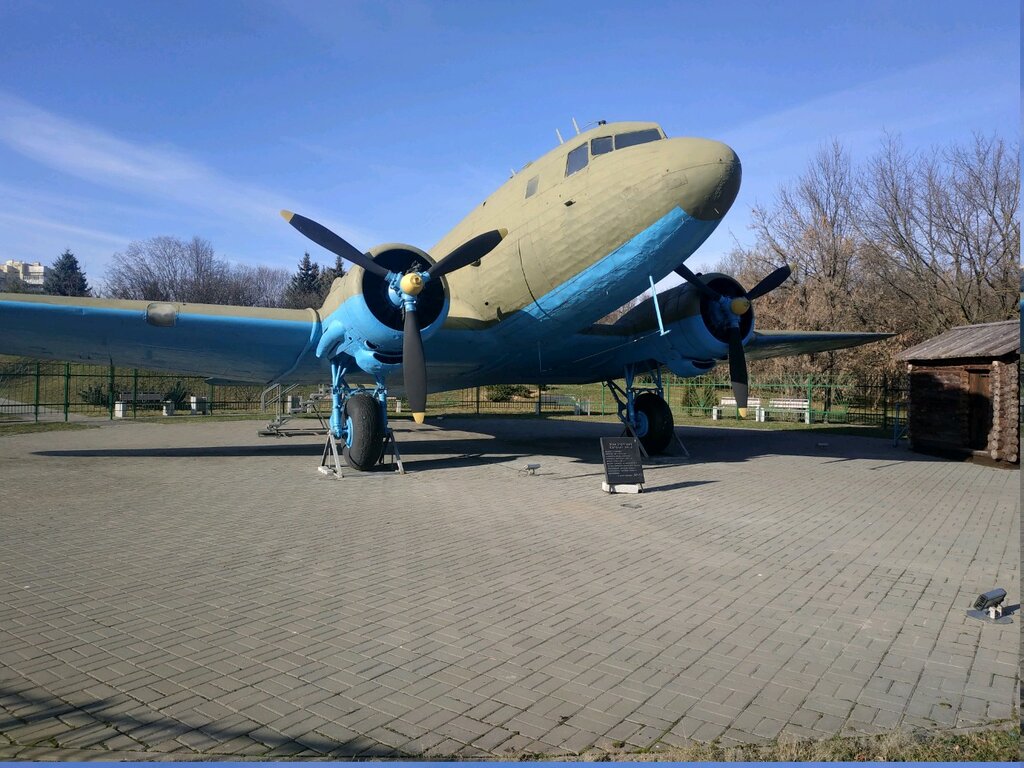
[735, 308]
[408, 286]
[336, 244]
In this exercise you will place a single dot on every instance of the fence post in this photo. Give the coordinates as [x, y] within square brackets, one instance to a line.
[209, 402]
[602, 397]
[538, 399]
[111, 397]
[37, 391]
[67, 389]
[810, 393]
[135, 391]
[885, 402]
[478, 401]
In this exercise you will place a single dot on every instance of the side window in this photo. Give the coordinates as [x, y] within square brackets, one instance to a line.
[601, 146]
[577, 160]
[531, 185]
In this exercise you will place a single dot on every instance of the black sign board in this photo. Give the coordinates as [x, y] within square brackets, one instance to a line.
[622, 461]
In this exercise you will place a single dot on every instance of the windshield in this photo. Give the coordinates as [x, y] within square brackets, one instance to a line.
[637, 137]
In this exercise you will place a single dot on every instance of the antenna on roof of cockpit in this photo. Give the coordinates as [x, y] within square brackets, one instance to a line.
[574, 125]
[558, 133]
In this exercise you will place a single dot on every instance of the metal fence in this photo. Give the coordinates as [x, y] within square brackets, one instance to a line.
[49, 390]
[42, 390]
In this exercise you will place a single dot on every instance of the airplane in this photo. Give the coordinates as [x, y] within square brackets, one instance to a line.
[513, 293]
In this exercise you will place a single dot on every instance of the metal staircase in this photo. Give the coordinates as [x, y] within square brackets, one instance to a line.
[309, 405]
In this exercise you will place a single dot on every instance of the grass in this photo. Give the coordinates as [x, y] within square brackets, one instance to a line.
[991, 744]
[28, 427]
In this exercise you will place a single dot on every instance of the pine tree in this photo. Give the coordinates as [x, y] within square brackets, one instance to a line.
[65, 277]
[329, 274]
[304, 288]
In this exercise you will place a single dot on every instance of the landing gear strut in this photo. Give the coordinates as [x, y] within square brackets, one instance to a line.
[644, 412]
[359, 423]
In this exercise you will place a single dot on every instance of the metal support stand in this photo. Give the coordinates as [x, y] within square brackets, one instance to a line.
[396, 457]
[330, 460]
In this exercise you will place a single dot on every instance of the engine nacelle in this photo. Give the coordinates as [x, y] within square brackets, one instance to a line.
[362, 316]
[699, 326]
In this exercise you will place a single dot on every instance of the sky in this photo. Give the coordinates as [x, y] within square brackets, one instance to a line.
[389, 121]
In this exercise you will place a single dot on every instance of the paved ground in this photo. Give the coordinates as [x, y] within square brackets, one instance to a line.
[193, 589]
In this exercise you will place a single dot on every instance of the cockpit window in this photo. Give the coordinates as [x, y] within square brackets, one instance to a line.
[601, 146]
[577, 160]
[531, 186]
[637, 137]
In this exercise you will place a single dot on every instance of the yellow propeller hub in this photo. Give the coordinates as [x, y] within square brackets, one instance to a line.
[411, 284]
[740, 305]
[418, 417]
[743, 412]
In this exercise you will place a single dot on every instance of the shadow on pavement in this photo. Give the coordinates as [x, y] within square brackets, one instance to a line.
[471, 441]
[100, 715]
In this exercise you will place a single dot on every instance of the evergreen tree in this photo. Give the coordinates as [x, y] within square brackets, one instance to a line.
[329, 274]
[66, 277]
[304, 290]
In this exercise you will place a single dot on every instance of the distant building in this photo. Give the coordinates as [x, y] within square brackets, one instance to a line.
[965, 392]
[31, 275]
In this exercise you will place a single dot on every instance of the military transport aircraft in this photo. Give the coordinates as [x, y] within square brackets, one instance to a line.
[512, 294]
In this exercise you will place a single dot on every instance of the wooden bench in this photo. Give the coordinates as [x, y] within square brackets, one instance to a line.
[730, 402]
[787, 405]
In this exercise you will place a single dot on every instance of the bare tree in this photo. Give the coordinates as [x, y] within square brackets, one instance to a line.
[942, 232]
[812, 227]
[171, 269]
[908, 243]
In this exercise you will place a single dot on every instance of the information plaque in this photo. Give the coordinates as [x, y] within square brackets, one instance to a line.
[622, 468]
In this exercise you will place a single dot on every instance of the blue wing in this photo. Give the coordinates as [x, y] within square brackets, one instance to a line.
[250, 344]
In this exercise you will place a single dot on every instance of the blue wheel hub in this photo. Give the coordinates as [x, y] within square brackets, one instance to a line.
[641, 426]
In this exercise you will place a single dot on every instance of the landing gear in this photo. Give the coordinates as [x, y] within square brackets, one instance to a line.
[365, 431]
[359, 424]
[654, 424]
[645, 414]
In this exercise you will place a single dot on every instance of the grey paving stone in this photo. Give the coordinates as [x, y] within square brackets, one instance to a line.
[339, 628]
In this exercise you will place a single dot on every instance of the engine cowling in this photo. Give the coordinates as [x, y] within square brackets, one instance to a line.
[362, 316]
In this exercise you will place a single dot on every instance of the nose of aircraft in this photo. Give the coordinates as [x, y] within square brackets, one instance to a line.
[709, 176]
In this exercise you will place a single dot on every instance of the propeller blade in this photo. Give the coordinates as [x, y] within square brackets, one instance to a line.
[414, 366]
[738, 370]
[684, 272]
[468, 252]
[337, 245]
[770, 283]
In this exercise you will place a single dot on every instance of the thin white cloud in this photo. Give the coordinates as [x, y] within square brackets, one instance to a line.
[53, 226]
[159, 173]
[952, 91]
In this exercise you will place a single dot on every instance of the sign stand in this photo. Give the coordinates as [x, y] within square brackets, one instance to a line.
[623, 471]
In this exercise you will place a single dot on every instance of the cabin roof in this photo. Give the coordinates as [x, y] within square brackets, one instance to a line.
[987, 340]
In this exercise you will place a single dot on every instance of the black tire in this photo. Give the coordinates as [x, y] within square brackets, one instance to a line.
[659, 422]
[366, 432]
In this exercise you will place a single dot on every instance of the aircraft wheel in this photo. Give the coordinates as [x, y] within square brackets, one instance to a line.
[364, 423]
[655, 423]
